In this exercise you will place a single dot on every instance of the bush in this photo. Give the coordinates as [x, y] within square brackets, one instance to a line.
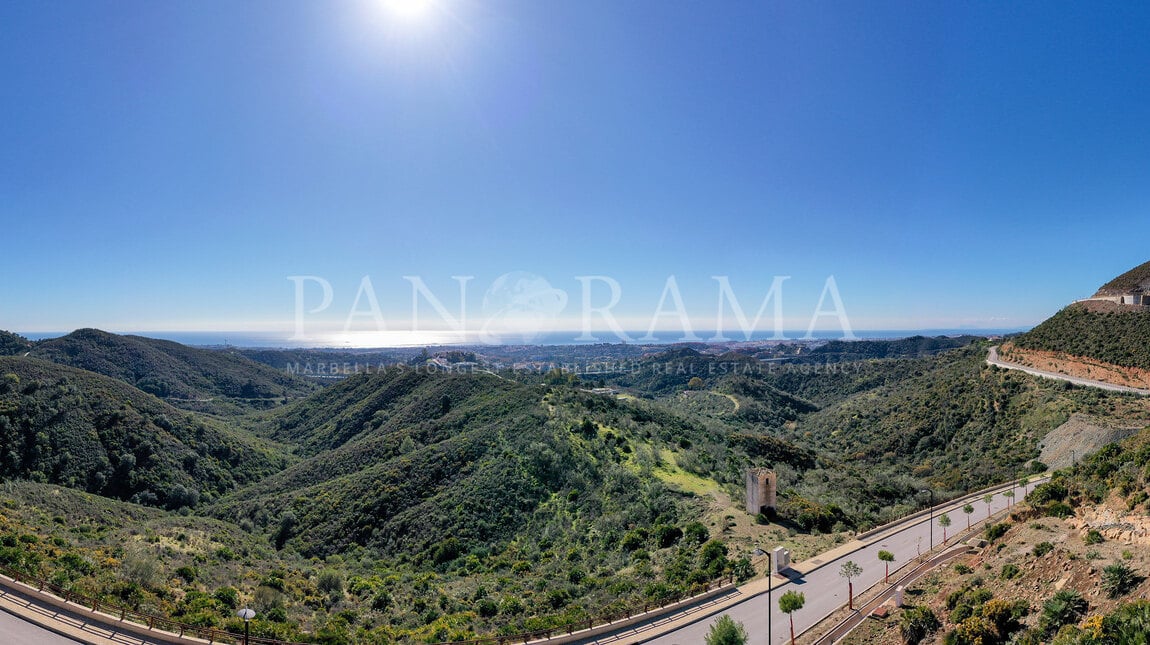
[330, 582]
[1010, 571]
[916, 624]
[1092, 537]
[725, 631]
[1065, 608]
[228, 597]
[1042, 548]
[995, 531]
[1060, 510]
[1118, 579]
[487, 608]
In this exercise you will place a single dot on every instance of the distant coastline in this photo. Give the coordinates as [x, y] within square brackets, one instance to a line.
[268, 340]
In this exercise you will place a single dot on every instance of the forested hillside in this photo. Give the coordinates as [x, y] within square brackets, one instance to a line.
[86, 431]
[211, 380]
[13, 344]
[1119, 335]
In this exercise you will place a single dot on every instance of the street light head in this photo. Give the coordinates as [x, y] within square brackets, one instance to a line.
[246, 613]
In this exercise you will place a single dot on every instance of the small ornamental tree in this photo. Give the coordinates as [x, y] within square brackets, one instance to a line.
[789, 603]
[968, 509]
[725, 631]
[850, 570]
[944, 521]
[886, 557]
[988, 498]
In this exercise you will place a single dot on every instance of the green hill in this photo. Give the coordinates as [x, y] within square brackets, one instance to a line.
[915, 346]
[1119, 336]
[13, 344]
[955, 422]
[404, 458]
[80, 429]
[1136, 280]
[211, 380]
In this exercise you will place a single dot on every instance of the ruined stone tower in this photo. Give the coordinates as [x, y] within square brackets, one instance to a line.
[760, 490]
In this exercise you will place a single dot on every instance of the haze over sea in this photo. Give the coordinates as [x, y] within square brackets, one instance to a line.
[278, 339]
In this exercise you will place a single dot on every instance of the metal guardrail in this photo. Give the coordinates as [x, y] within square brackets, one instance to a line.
[603, 621]
[213, 635]
[145, 620]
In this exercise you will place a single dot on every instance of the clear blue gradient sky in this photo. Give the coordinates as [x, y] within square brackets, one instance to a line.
[167, 165]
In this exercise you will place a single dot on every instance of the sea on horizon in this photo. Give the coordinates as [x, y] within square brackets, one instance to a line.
[269, 340]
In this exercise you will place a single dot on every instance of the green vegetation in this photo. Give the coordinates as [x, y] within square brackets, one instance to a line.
[1129, 282]
[415, 505]
[725, 631]
[13, 344]
[199, 379]
[789, 603]
[886, 557]
[85, 431]
[916, 624]
[850, 571]
[1117, 337]
[1118, 579]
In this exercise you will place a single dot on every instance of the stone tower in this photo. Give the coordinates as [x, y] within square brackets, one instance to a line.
[760, 490]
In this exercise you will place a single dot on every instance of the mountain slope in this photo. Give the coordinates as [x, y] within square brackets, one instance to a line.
[13, 344]
[83, 430]
[173, 371]
[958, 423]
[1136, 280]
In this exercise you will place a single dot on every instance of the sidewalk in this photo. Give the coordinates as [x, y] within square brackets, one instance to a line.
[658, 627]
[65, 624]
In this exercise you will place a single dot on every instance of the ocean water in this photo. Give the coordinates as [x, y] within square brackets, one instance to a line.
[278, 339]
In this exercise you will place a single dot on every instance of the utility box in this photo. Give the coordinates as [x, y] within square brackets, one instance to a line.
[780, 559]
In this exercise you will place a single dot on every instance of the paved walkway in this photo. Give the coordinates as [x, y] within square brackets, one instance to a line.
[48, 626]
[993, 359]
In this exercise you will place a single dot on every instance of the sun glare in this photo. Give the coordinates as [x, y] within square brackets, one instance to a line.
[409, 10]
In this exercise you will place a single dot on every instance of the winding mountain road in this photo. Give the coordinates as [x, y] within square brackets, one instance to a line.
[993, 359]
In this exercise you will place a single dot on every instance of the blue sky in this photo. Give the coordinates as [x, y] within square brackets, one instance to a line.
[170, 165]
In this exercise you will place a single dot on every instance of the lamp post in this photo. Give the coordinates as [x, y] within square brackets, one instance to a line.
[931, 520]
[770, 607]
[247, 614]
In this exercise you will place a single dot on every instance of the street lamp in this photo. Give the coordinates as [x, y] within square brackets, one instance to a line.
[247, 614]
[931, 520]
[770, 608]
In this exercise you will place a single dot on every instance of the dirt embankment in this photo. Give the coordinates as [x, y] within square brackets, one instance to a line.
[1081, 435]
[1077, 366]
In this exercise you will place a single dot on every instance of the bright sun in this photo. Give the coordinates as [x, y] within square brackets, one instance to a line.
[411, 10]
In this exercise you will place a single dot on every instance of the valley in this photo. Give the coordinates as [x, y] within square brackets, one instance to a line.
[466, 492]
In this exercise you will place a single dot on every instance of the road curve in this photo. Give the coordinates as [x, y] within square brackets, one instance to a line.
[993, 359]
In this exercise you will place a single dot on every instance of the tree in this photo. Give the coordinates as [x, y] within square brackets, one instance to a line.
[944, 521]
[725, 631]
[695, 383]
[789, 603]
[886, 557]
[850, 570]
[988, 498]
[968, 509]
[1009, 495]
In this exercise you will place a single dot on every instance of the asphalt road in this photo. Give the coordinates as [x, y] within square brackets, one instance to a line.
[825, 590]
[993, 359]
[13, 630]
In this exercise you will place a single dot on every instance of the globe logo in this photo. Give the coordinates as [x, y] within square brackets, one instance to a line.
[519, 307]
